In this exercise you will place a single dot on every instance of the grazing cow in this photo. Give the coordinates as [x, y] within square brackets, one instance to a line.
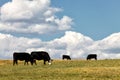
[66, 57]
[92, 56]
[21, 56]
[41, 55]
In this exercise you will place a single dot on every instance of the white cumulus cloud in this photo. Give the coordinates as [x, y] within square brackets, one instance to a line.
[75, 44]
[32, 16]
[10, 44]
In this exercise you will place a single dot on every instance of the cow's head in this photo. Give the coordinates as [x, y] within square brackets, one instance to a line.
[50, 61]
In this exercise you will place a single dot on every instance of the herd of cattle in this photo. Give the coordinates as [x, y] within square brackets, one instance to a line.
[89, 57]
[40, 55]
[36, 55]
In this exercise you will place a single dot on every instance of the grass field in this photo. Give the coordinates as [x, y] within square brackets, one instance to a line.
[62, 70]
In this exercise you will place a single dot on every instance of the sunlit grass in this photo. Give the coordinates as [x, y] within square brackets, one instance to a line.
[62, 70]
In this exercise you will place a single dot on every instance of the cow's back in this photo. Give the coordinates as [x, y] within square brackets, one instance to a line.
[21, 56]
[40, 55]
[66, 57]
[91, 56]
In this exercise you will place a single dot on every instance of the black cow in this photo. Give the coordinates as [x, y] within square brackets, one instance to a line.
[66, 57]
[23, 56]
[92, 56]
[41, 55]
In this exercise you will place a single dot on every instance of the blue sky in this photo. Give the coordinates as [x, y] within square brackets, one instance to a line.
[76, 28]
[94, 18]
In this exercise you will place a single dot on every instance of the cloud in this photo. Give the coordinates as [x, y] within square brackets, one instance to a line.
[32, 16]
[107, 48]
[75, 44]
[37, 16]
[24, 9]
[10, 44]
[79, 46]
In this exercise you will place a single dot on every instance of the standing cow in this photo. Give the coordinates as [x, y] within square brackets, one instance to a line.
[66, 57]
[41, 55]
[92, 56]
[22, 56]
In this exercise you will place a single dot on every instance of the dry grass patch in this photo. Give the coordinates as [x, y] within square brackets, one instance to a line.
[62, 70]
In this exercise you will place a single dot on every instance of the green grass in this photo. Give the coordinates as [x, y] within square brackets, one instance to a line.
[62, 70]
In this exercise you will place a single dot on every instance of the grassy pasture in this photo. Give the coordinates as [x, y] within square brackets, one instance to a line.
[62, 70]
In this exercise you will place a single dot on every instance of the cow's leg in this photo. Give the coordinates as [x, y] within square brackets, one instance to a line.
[95, 58]
[26, 62]
[32, 62]
[14, 62]
[44, 62]
[35, 62]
